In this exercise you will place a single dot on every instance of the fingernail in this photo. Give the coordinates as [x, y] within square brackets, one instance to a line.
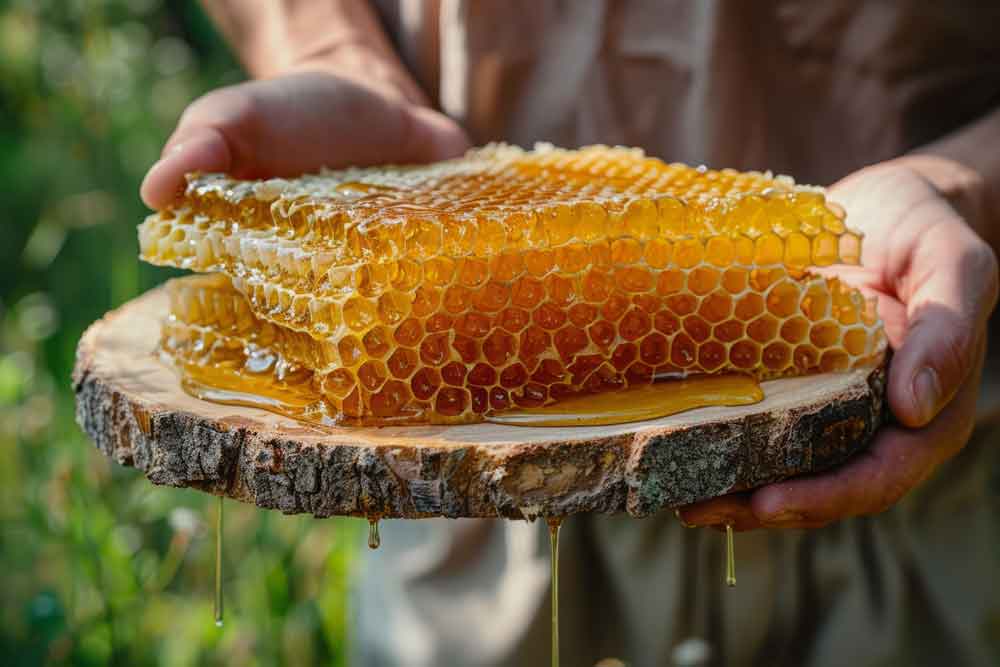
[787, 516]
[927, 393]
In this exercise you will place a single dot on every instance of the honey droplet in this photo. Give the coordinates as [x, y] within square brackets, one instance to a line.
[374, 539]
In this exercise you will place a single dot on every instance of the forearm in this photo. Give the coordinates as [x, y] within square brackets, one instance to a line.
[965, 165]
[274, 37]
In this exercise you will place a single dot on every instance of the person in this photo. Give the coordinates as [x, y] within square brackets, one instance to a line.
[895, 104]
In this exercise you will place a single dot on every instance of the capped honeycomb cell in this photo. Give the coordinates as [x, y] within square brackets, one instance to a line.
[506, 278]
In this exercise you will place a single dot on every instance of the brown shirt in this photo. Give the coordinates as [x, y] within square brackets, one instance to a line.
[813, 89]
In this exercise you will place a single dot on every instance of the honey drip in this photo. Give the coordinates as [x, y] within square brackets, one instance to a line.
[374, 539]
[639, 403]
[730, 557]
[218, 564]
[554, 525]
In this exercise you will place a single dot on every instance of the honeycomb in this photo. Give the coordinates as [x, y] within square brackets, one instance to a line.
[505, 279]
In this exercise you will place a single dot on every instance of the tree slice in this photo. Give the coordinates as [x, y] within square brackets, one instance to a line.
[132, 405]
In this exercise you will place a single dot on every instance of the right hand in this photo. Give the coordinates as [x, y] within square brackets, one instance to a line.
[294, 124]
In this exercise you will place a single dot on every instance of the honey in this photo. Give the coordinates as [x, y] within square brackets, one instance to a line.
[504, 280]
[639, 403]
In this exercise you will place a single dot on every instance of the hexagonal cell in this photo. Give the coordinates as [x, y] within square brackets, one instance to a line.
[805, 357]
[480, 402]
[697, 328]
[467, 348]
[783, 299]
[359, 313]
[728, 331]
[376, 342]
[711, 355]
[666, 322]
[499, 347]
[439, 322]
[626, 251]
[499, 398]
[777, 355]
[824, 334]
[763, 329]
[658, 253]
[683, 351]
[514, 319]
[735, 279]
[639, 374]
[549, 316]
[815, 302]
[669, 282]
[473, 324]
[390, 400]
[720, 251]
[527, 293]
[539, 262]
[634, 325]
[534, 342]
[702, 280]
[434, 349]
[393, 307]
[744, 354]
[372, 374]
[623, 355]
[492, 297]
[654, 349]
[716, 307]
[531, 395]
[834, 360]
[648, 303]
[351, 351]
[513, 376]
[409, 332]
[582, 314]
[426, 300]
[403, 362]
[682, 304]
[549, 371]
[569, 340]
[451, 401]
[749, 306]
[794, 329]
[768, 249]
[596, 286]
[338, 383]
[855, 341]
[688, 253]
[614, 307]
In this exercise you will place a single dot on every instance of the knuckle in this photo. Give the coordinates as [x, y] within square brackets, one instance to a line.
[232, 107]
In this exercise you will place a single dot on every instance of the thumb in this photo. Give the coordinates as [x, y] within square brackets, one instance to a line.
[953, 289]
[296, 124]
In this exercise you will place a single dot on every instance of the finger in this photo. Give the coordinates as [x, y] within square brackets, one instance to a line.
[897, 460]
[733, 510]
[297, 124]
[204, 149]
[952, 287]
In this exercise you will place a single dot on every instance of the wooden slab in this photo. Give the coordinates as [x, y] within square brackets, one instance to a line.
[131, 404]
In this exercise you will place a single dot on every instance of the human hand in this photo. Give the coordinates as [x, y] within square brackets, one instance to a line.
[936, 283]
[297, 123]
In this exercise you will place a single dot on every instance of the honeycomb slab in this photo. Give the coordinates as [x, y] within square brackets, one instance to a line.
[506, 278]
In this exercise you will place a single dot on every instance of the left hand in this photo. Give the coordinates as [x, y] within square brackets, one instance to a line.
[936, 283]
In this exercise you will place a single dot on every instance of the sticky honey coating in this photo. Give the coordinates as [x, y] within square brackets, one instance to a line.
[443, 369]
[506, 279]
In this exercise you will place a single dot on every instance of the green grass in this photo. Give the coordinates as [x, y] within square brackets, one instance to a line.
[99, 567]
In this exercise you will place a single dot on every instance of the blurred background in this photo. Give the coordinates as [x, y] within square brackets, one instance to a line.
[97, 566]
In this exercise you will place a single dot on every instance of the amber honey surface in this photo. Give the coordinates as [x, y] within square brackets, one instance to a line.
[505, 279]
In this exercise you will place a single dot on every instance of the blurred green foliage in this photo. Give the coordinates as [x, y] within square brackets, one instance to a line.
[98, 566]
